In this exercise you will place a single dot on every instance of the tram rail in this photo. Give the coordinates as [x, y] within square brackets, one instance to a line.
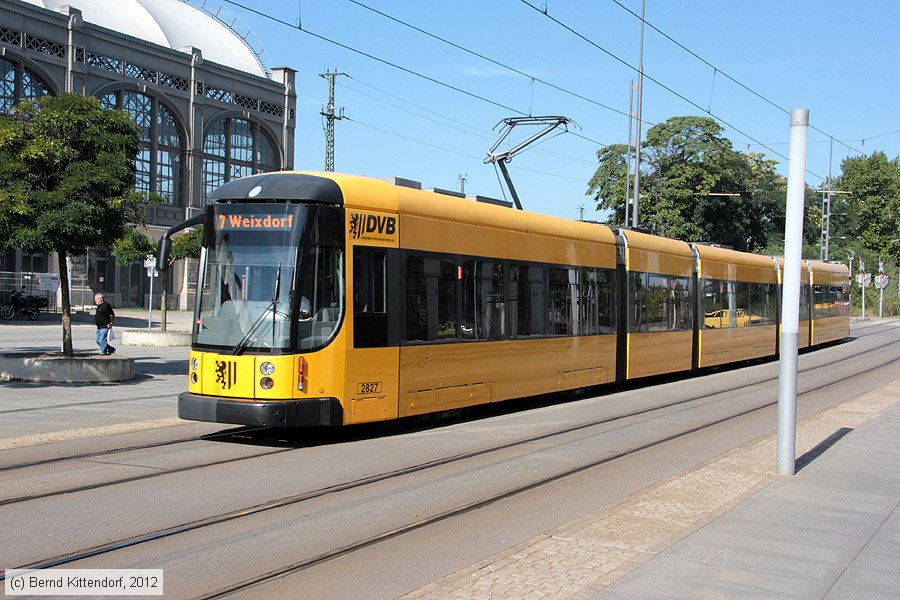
[296, 499]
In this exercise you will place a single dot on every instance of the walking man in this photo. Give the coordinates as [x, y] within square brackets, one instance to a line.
[103, 318]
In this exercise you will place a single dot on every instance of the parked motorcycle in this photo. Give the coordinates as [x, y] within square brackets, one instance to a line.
[23, 307]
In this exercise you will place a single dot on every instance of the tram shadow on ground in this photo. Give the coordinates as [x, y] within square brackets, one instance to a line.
[324, 436]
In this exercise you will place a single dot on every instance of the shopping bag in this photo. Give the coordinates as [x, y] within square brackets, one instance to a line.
[110, 336]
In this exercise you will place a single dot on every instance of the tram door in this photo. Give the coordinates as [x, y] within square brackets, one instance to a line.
[373, 360]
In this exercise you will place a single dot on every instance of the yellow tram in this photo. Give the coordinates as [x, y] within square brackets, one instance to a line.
[328, 299]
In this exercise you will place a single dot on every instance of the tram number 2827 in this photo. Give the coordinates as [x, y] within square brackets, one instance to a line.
[371, 387]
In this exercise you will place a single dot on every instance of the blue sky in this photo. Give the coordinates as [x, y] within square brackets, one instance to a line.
[838, 59]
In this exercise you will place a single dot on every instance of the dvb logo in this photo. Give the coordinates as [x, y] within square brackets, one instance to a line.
[362, 226]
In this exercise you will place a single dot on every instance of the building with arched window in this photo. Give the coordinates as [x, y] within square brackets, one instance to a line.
[209, 109]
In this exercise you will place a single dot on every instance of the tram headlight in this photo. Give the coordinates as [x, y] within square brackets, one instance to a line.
[267, 383]
[195, 364]
[194, 378]
[267, 368]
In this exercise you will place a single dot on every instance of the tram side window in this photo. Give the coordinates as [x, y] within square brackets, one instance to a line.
[446, 272]
[368, 281]
[737, 303]
[820, 302]
[762, 304]
[828, 301]
[431, 301]
[562, 296]
[804, 302]
[595, 306]
[637, 291]
[660, 303]
[657, 296]
[836, 300]
[323, 288]
[843, 300]
[742, 302]
[680, 317]
[713, 293]
[483, 301]
[588, 301]
[416, 300]
[606, 291]
[526, 301]
[370, 328]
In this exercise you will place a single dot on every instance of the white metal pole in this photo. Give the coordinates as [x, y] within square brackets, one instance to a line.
[850, 288]
[150, 313]
[790, 295]
[863, 286]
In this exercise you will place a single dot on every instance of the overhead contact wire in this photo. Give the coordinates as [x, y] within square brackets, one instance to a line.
[657, 82]
[723, 73]
[299, 27]
[490, 60]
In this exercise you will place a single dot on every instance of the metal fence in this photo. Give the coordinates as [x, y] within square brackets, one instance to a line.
[81, 294]
[11, 281]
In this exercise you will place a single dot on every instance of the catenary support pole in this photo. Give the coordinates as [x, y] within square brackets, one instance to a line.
[628, 151]
[790, 295]
[635, 208]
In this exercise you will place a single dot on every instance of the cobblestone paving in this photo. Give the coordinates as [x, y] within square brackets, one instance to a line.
[580, 558]
[86, 432]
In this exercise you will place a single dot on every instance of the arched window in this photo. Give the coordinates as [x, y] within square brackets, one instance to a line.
[17, 83]
[160, 163]
[234, 148]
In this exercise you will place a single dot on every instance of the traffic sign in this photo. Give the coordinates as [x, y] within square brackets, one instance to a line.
[150, 265]
[881, 281]
[864, 279]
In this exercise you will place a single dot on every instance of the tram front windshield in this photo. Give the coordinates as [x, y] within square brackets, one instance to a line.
[271, 279]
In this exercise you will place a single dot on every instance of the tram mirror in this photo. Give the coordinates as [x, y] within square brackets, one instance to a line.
[162, 253]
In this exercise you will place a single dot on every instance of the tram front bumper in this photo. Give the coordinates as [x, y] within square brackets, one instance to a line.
[307, 412]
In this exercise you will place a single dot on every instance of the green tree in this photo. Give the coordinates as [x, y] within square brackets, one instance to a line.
[695, 186]
[874, 203]
[186, 245]
[768, 191]
[134, 247]
[693, 165]
[66, 167]
[608, 184]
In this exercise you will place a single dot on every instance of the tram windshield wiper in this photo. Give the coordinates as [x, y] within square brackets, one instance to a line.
[271, 308]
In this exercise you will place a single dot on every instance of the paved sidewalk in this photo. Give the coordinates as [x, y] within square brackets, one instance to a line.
[38, 413]
[833, 531]
[731, 528]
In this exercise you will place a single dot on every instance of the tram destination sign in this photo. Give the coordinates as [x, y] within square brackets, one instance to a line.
[254, 222]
